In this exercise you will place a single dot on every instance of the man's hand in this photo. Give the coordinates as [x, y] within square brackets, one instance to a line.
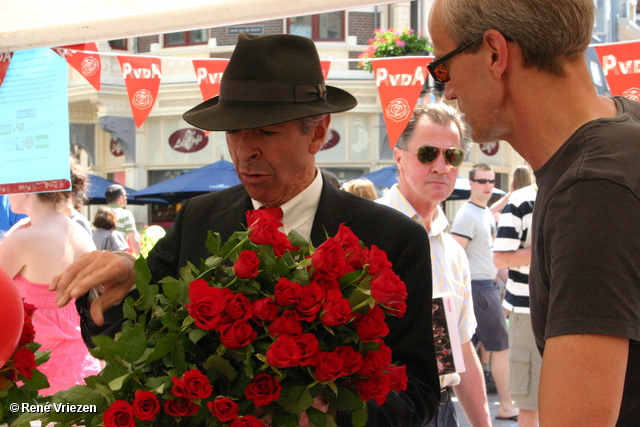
[93, 269]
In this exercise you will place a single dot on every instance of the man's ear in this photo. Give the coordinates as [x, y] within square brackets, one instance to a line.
[499, 50]
[397, 156]
[319, 134]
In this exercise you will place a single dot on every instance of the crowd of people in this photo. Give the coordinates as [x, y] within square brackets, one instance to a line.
[568, 356]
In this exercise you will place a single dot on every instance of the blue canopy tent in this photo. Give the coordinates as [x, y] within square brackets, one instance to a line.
[214, 177]
[386, 177]
[97, 186]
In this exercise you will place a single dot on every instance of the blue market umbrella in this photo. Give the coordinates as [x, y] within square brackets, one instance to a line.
[386, 177]
[214, 177]
[97, 186]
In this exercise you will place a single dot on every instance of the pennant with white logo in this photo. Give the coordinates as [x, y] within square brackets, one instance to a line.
[399, 82]
[142, 76]
[621, 67]
[86, 63]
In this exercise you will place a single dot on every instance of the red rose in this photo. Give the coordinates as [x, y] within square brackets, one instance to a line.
[308, 344]
[247, 421]
[238, 307]
[180, 407]
[376, 388]
[352, 359]
[325, 280]
[28, 332]
[336, 310]
[263, 226]
[375, 361]
[284, 352]
[25, 362]
[145, 405]
[263, 390]
[390, 290]
[351, 245]
[29, 309]
[119, 414]
[286, 292]
[264, 309]
[193, 385]
[398, 377]
[223, 409]
[286, 324]
[310, 302]
[372, 325]
[207, 303]
[247, 265]
[377, 260]
[330, 366]
[237, 334]
[330, 258]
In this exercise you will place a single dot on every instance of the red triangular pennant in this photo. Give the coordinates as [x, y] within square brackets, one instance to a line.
[5, 60]
[142, 75]
[325, 68]
[208, 73]
[399, 82]
[86, 63]
[621, 67]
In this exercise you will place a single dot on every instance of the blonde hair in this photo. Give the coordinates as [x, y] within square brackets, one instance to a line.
[522, 177]
[361, 187]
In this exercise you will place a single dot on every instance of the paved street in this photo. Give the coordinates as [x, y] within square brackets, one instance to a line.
[493, 407]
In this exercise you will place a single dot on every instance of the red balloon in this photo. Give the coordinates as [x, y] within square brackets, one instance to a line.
[11, 316]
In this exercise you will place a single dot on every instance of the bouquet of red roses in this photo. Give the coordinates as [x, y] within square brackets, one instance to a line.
[20, 379]
[258, 333]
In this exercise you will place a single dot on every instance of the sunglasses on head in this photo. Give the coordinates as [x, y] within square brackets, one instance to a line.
[438, 68]
[484, 181]
[428, 154]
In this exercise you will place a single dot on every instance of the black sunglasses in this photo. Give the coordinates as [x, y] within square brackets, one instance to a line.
[428, 154]
[484, 181]
[438, 68]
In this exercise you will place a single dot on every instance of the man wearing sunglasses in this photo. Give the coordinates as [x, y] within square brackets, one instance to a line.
[474, 227]
[428, 155]
[524, 78]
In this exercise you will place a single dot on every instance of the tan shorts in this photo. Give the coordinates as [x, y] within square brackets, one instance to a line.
[524, 362]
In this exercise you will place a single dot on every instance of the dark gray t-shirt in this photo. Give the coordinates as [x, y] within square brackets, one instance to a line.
[585, 270]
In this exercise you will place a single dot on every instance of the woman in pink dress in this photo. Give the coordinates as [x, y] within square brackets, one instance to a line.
[34, 251]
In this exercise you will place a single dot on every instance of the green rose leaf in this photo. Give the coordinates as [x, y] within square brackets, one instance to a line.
[163, 347]
[217, 366]
[359, 416]
[295, 398]
[285, 420]
[320, 419]
[214, 242]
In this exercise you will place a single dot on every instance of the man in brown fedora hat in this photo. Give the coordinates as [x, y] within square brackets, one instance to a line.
[275, 109]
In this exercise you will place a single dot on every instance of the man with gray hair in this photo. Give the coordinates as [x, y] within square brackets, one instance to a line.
[428, 155]
[518, 71]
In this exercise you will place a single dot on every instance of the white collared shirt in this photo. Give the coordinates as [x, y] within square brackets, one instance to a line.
[299, 212]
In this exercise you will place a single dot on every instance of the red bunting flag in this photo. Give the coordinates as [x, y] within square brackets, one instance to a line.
[5, 60]
[399, 82]
[208, 73]
[621, 67]
[142, 75]
[86, 63]
[325, 68]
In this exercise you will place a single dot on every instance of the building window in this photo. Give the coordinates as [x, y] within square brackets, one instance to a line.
[119, 44]
[321, 27]
[185, 38]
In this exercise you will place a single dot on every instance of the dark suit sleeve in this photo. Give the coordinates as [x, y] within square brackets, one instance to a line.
[411, 339]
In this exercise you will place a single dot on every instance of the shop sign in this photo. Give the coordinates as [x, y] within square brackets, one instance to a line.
[188, 140]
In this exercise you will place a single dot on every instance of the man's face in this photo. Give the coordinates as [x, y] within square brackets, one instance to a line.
[275, 163]
[472, 85]
[482, 192]
[427, 183]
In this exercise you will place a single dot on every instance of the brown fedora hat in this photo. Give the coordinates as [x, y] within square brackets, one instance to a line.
[269, 80]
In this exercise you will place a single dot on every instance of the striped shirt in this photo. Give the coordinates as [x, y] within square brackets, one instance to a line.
[514, 228]
[125, 223]
[450, 268]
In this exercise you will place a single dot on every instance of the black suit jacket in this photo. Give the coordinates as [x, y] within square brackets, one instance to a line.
[406, 244]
